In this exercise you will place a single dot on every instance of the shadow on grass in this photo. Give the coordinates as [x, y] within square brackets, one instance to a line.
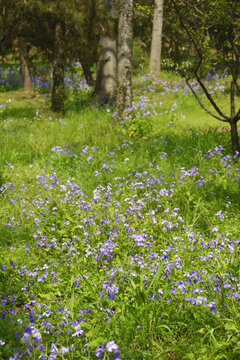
[19, 113]
[10, 236]
[8, 333]
[78, 103]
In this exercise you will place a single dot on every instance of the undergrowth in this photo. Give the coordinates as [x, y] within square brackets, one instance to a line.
[118, 240]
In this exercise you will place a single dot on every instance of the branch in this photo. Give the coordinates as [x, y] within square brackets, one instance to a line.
[201, 104]
[238, 115]
[210, 97]
[234, 69]
[231, 34]
[235, 77]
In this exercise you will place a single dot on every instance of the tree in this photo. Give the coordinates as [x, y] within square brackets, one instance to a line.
[55, 13]
[70, 36]
[106, 80]
[26, 80]
[156, 44]
[53, 19]
[125, 40]
[85, 26]
[54, 16]
[58, 92]
[12, 29]
[214, 22]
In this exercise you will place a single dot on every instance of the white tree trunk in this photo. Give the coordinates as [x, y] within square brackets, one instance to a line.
[156, 45]
[125, 40]
[106, 81]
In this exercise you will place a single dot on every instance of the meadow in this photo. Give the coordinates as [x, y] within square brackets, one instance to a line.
[119, 237]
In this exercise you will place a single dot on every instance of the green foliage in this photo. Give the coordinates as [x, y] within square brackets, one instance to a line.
[137, 123]
[213, 35]
[145, 9]
[140, 57]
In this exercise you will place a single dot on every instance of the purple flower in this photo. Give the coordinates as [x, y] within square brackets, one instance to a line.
[13, 265]
[78, 332]
[220, 215]
[99, 351]
[112, 346]
[36, 334]
[40, 347]
[64, 350]
[26, 337]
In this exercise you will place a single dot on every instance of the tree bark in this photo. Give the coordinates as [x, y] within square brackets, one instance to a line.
[234, 138]
[106, 81]
[125, 40]
[58, 89]
[86, 71]
[3, 51]
[24, 68]
[232, 99]
[233, 122]
[156, 44]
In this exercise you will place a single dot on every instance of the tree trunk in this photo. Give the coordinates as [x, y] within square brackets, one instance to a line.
[58, 89]
[106, 81]
[234, 138]
[26, 80]
[125, 40]
[86, 71]
[233, 122]
[237, 66]
[232, 99]
[3, 51]
[156, 45]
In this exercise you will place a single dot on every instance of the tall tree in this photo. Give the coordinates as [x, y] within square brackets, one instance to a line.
[24, 67]
[125, 41]
[106, 80]
[156, 44]
[58, 92]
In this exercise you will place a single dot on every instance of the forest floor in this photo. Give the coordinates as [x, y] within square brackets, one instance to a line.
[119, 240]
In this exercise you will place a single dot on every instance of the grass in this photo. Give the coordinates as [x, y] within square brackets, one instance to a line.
[118, 241]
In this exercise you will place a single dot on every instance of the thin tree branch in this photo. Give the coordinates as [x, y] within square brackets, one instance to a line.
[238, 115]
[210, 97]
[201, 104]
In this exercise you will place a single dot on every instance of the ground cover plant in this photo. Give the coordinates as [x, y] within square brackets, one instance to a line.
[118, 240]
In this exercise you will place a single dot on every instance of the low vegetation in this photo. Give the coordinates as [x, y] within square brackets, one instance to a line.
[119, 238]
